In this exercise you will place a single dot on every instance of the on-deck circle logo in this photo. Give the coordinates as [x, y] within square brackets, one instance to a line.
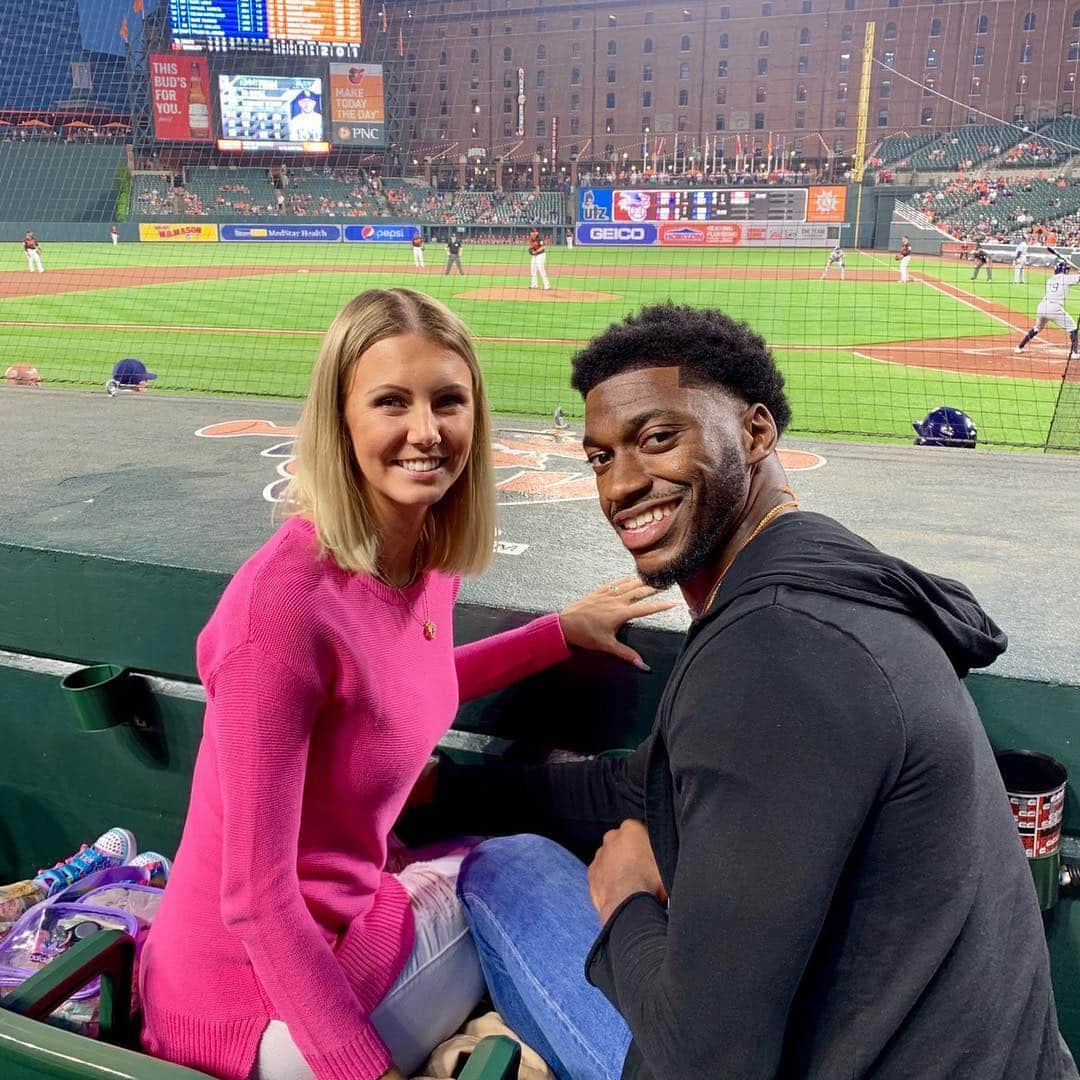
[531, 467]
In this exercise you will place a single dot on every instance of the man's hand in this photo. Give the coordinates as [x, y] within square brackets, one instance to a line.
[393, 1074]
[624, 865]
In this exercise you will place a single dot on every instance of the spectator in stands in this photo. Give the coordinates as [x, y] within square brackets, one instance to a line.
[816, 720]
[325, 961]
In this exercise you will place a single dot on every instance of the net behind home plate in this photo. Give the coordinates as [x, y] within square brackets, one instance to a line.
[262, 162]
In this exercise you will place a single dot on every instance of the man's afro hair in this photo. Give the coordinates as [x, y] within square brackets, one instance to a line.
[709, 347]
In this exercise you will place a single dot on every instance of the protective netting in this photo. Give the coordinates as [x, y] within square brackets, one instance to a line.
[208, 183]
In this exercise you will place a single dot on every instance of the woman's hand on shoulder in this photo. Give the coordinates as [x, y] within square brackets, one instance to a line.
[592, 621]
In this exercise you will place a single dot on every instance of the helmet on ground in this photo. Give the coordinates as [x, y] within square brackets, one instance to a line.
[1061, 267]
[945, 426]
[131, 372]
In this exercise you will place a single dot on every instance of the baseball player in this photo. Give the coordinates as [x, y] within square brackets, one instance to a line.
[1052, 306]
[982, 262]
[904, 257]
[538, 254]
[33, 253]
[307, 124]
[1019, 261]
[115, 234]
[418, 251]
[836, 258]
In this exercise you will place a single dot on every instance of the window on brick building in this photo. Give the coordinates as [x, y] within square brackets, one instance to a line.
[647, 46]
[884, 89]
[926, 117]
[800, 92]
[1029, 21]
[763, 66]
[684, 98]
[804, 36]
[646, 99]
[759, 121]
[611, 101]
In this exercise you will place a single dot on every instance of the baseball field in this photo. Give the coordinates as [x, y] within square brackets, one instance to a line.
[862, 357]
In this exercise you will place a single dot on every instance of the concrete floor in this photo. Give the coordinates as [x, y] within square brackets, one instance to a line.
[128, 477]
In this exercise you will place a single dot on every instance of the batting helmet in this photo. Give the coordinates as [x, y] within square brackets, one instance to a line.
[1061, 267]
[945, 426]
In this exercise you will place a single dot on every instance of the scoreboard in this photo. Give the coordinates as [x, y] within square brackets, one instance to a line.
[284, 27]
[723, 204]
[712, 217]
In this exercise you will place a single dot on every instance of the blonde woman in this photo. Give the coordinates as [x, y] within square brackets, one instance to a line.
[283, 948]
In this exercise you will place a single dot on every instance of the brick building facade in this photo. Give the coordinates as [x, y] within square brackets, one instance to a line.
[509, 78]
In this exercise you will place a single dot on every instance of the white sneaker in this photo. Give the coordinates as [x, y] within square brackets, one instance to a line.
[1018, 349]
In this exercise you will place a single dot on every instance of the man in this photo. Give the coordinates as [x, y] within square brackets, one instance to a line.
[982, 261]
[418, 251]
[1051, 308]
[33, 253]
[1019, 260]
[904, 258]
[836, 258]
[453, 253]
[812, 869]
[306, 125]
[537, 259]
[114, 233]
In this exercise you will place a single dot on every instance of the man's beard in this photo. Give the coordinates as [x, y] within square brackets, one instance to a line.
[715, 517]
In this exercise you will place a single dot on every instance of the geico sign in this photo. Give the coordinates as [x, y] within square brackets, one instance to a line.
[616, 232]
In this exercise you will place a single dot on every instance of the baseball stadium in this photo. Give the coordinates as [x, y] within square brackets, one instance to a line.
[886, 191]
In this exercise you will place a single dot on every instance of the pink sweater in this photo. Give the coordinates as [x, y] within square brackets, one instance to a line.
[324, 700]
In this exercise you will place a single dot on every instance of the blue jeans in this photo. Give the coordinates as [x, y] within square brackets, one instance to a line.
[527, 902]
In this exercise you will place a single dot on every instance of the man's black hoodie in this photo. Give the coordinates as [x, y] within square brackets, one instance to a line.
[848, 895]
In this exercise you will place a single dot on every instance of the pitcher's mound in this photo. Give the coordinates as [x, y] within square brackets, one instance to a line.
[571, 296]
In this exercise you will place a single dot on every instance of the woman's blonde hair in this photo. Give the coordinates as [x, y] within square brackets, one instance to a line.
[328, 487]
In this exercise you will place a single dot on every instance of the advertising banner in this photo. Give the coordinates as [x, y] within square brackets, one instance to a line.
[827, 203]
[594, 204]
[295, 234]
[380, 234]
[187, 231]
[357, 111]
[748, 234]
[180, 97]
[615, 234]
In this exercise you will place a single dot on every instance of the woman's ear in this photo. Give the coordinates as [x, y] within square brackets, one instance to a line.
[759, 433]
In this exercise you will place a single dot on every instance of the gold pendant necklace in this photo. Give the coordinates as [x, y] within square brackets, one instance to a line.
[429, 627]
[792, 504]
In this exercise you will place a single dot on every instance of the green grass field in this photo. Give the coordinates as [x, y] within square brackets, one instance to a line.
[257, 334]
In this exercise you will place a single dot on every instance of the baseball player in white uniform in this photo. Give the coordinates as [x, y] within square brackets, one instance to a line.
[1019, 261]
[1052, 306]
[836, 258]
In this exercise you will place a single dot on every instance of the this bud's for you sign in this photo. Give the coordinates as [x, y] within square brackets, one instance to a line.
[180, 91]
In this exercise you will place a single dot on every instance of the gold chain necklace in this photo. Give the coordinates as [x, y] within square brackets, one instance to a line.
[792, 504]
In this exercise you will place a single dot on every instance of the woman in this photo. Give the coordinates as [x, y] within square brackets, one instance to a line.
[283, 948]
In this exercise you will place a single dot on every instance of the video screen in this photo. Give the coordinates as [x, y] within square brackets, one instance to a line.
[271, 110]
